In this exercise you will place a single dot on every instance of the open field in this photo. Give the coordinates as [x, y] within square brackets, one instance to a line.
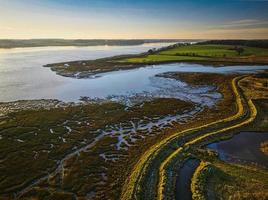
[213, 53]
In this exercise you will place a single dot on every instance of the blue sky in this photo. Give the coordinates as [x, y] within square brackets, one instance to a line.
[129, 19]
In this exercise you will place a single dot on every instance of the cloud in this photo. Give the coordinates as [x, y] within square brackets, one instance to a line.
[242, 24]
[260, 33]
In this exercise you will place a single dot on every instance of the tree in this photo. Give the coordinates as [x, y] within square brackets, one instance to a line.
[151, 51]
[239, 50]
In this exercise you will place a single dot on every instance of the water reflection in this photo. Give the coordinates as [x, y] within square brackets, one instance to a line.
[23, 77]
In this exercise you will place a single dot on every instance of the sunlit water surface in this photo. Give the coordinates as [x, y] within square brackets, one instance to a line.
[23, 77]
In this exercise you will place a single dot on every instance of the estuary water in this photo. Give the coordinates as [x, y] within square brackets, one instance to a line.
[22, 76]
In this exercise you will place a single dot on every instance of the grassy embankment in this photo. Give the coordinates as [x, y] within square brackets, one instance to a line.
[198, 181]
[252, 88]
[139, 170]
[215, 179]
[132, 185]
[163, 166]
[234, 181]
[237, 181]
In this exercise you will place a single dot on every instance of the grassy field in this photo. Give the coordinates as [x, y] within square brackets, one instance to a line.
[214, 51]
[201, 53]
[161, 58]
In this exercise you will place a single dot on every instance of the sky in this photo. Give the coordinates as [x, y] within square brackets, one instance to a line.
[134, 19]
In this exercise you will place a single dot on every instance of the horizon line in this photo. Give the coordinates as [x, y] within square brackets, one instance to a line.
[133, 39]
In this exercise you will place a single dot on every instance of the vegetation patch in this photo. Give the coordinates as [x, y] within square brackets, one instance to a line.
[230, 181]
[264, 147]
[198, 181]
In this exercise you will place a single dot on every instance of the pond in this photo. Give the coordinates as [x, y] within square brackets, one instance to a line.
[243, 147]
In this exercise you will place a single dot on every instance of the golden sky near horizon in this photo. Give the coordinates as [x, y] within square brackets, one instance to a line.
[27, 19]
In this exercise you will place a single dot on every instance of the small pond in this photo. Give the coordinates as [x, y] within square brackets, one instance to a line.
[243, 147]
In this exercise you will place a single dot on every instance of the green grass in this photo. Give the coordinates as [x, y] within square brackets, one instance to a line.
[197, 53]
[232, 181]
[214, 51]
[161, 58]
[264, 147]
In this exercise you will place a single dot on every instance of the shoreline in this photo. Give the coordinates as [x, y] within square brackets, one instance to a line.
[24, 43]
[98, 72]
[90, 68]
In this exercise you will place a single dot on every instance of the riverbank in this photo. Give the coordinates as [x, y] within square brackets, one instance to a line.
[206, 54]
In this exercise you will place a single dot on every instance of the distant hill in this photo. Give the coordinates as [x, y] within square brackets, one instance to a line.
[6, 43]
[249, 43]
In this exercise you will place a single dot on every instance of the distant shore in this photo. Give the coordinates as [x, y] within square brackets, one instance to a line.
[10, 43]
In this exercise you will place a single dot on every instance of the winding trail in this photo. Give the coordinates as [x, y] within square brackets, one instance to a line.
[132, 186]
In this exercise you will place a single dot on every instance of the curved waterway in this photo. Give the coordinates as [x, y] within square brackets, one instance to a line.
[243, 148]
[183, 180]
[23, 77]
